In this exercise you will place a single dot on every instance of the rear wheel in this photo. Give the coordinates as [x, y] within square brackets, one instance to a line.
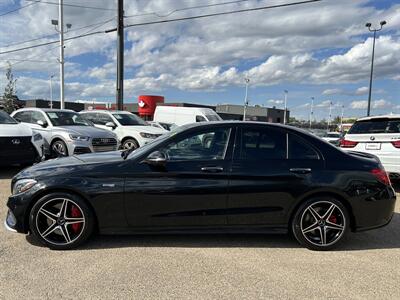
[321, 223]
[61, 221]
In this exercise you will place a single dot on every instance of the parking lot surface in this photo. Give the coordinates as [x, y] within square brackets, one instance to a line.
[367, 265]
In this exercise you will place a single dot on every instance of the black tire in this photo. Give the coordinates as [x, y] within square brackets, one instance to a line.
[58, 149]
[51, 226]
[317, 229]
[130, 144]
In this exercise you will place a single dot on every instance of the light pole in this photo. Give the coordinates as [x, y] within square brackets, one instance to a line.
[368, 25]
[311, 111]
[341, 119]
[51, 91]
[60, 24]
[246, 102]
[330, 115]
[285, 113]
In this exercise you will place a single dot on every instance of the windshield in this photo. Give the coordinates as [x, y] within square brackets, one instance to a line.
[332, 135]
[6, 119]
[213, 118]
[129, 120]
[376, 126]
[66, 118]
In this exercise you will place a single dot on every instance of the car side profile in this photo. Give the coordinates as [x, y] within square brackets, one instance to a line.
[211, 177]
[18, 143]
[132, 131]
[65, 132]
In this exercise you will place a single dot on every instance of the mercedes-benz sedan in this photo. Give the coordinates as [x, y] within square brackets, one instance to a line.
[210, 177]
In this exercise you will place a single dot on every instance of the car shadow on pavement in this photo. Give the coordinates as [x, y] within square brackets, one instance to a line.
[383, 238]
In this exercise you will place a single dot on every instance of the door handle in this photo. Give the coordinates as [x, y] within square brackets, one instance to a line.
[300, 170]
[212, 169]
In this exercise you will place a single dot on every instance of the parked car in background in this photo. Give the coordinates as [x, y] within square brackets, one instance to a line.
[65, 132]
[378, 135]
[19, 144]
[332, 137]
[250, 177]
[162, 125]
[184, 115]
[132, 131]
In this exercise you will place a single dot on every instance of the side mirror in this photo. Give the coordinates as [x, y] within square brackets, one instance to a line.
[156, 158]
[42, 123]
[111, 125]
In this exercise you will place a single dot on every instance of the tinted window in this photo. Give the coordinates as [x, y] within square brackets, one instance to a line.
[23, 116]
[6, 119]
[36, 116]
[66, 118]
[376, 126]
[129, 120]
[213, 118]
[90, 117]
[207, 145]
[102, 119]
[259, 144]
[200, 119]
[299, 149]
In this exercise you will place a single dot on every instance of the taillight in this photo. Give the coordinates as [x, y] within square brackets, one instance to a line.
[381, 175]
[347, 144]
[396, 144]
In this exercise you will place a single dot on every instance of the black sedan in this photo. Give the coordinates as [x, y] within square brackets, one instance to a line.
[214, 177]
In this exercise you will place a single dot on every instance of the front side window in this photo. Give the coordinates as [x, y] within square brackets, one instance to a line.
[207, 145]
[263, 144]
[23, 116]
[299, 149]
[129, 119]
[37, 116]
[66, 118]
[6, 119]
[213, 118]
[200, 119]
[102, 119]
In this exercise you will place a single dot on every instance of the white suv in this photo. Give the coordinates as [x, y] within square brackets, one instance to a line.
[378, 135]
[131, 130]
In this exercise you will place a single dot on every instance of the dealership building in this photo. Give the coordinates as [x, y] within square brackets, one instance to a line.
[147, 104]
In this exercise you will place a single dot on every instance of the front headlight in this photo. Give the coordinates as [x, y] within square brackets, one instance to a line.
[148, 135]
[77, 137]
[23, 185]
[37, 137]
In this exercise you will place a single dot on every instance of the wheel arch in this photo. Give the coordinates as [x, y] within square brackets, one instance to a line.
[129, 137]
[45, 192]
[334, 195]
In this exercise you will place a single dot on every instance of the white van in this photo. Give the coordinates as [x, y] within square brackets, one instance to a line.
[184, 115]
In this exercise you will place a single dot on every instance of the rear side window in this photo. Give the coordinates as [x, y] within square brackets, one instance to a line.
[376, 126]
[200, 119]
[262, 144]
[300, 149]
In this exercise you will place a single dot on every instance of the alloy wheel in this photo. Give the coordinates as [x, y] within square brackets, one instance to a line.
[129, 144]
[59, 149]
[60, 221]
[323, 223]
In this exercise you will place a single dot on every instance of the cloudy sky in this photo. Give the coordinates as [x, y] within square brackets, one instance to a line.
[321, 50]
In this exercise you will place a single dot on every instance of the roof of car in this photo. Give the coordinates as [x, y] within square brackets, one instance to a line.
[390, 116]
[107, 111]
[45, 109]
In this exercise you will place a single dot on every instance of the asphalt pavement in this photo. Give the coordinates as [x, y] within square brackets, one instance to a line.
[366, 266]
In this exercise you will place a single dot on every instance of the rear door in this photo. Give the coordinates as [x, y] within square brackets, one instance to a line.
[271, 169]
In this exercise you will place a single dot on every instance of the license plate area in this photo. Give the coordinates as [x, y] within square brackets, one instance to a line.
[373, 146]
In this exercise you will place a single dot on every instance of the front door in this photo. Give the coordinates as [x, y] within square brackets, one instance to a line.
[190, 189]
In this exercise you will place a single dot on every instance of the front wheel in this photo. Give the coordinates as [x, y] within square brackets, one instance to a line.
[321, 223]
[61, 221]
[59, 149]
[129, 144]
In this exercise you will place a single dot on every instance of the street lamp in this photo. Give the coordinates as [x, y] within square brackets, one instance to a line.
[368, 25]
[330, 115]
[51, 91]
[246, 101]
[285, 113]
[311, 111]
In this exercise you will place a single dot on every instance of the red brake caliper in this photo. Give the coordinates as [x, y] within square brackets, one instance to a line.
[76, 213]
[332, 219]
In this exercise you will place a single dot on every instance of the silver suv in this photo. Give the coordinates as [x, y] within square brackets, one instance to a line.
[65, 132]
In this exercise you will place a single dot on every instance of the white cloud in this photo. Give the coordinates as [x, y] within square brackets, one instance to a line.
[275, 102]
[323, 104]
[332, 92]
[377, 104]
[362, 91]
